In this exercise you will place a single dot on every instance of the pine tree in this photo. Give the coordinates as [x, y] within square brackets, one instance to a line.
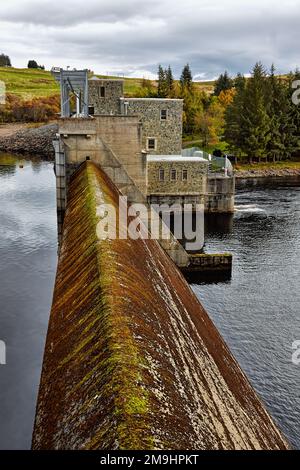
[278, 114]
[169, 81]
[255, 120]
[186, 79]
[162, 88]
[233, 132]
[223, 83]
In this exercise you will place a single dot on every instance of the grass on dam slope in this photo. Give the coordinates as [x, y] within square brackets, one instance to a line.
[32, 83]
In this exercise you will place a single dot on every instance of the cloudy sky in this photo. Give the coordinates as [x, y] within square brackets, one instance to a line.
[134, 36]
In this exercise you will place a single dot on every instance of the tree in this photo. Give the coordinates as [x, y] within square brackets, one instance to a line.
[278, 114]
[186, 78]
[223, 83]
[255, 120]
[162, 88]
[32, 64]
[233, 132]
[169, 81]
[5, 61]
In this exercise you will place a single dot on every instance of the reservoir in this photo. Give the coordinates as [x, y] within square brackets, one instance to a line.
[257, 310]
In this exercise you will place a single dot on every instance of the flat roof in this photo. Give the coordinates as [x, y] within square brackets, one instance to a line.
[97, 79]
[151, 99]
[174, 158]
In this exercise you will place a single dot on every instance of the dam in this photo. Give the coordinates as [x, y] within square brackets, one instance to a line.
[132, 360]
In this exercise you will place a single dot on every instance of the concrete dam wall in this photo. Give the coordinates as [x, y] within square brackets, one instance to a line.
[132, 360]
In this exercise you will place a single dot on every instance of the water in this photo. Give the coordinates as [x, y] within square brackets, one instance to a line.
[27, 269]
[257, 311]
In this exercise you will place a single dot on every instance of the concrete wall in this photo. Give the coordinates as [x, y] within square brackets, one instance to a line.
[168, 133]
[97, 137]
[211, 262]
[194, 185]
[110, 103]
[220, 194]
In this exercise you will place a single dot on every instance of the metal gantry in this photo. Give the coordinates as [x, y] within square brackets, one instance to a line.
[73, 82]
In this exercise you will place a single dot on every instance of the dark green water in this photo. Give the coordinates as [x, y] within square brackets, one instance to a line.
[258, 311]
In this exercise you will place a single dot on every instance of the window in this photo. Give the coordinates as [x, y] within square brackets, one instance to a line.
[184, 175]
[91, 110]
[173, 174]
[102, 91]
[151, 143]
[163, 114]
[161, 174]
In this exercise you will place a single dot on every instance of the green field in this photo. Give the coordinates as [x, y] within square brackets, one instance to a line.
[31, 83]
[28, 83]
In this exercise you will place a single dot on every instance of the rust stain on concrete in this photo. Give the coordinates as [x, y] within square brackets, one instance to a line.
[132, 360]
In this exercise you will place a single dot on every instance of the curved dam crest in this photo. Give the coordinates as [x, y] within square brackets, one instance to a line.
[132, 360]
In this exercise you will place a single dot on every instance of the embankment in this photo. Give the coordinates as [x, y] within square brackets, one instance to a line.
[30, 141]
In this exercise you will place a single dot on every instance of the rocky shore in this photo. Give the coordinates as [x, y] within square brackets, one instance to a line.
[268, 173]
[30, 141]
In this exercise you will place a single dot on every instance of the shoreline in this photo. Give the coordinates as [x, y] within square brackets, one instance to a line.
[25, 139]
[36, 140]
[282, 172]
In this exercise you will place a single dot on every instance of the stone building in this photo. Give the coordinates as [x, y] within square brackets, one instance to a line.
[161, 118]
[104, 96]
[176, 179]
[161, 122]
[138, 141]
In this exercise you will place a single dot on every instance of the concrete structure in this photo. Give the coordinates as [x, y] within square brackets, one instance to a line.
[112, 142]
[219, 195]
[132, 360]
[117, 137]
[160, 134]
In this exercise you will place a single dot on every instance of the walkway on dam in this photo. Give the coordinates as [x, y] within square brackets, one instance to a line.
[132, 360]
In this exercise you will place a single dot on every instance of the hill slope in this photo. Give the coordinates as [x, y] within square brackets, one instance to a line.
[31, 83]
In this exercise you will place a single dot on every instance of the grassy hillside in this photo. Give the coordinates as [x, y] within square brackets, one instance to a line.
[31, 83]
[28, 83]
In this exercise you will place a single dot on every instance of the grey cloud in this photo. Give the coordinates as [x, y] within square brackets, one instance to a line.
[72, 12]
[137, 35]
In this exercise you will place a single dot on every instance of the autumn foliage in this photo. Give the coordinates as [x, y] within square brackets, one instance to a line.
[41, 109]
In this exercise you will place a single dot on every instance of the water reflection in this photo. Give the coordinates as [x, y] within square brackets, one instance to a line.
[257, 312]
[28, 247]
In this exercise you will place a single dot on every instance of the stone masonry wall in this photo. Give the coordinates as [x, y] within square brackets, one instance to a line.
[168, 133]
[194, 185]
[110, 104]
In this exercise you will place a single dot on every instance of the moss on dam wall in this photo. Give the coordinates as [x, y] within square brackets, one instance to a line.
[132, 360]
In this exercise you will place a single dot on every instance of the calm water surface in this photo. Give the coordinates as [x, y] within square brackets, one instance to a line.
[27, 268]
[257, 311]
